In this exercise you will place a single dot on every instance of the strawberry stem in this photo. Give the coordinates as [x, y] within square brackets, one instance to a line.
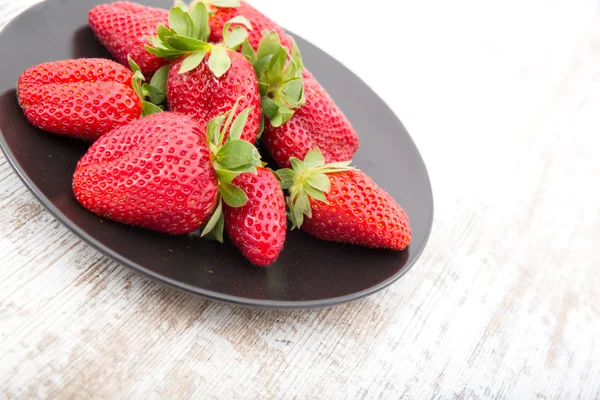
[187, 37]
[230, 157]
[279, 73]
[144, 90]
[305, 180]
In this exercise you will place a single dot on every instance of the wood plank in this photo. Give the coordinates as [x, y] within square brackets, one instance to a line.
[502, 100]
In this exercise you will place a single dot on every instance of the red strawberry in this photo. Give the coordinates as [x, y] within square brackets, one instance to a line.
[258, 229]
[317, 123]
[154, 173]
[200, 94]
[83, 98]
[123, 28]
[259, 21]
[252, 210]
[335, 202]
[207, 79]
[301, 115]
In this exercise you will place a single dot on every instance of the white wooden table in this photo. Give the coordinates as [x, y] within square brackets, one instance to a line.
[503, 99]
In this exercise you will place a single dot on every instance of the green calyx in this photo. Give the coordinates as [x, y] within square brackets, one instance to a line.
[231, 157]
[308, 179]
[187, 37]
[155, 91]
[279, 73]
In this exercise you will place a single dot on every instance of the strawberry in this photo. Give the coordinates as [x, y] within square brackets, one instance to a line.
[161, 173]
[123, 28]
[301, 115]
[251, 208]
[225, 11]
[83, 98]
[335, 202]
[155, 173]
[207, 79]
[258, 229]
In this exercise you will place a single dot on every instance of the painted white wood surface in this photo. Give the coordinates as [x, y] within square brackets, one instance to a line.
[503, 99]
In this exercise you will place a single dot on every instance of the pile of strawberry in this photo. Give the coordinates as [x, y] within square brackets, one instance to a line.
[227, 75]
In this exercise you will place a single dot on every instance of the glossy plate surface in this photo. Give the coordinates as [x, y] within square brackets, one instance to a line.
[309, 273]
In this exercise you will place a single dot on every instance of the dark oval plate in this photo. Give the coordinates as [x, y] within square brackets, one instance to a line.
[309, 273]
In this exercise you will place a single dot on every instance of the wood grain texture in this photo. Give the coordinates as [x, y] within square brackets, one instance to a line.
[502, 98]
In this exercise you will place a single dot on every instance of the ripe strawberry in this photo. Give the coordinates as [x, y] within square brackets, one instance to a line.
[317, 123]
[155, 173]
[259, 21]
[251, 208]
[123, 28]
[207, 79]
[301, 115]
[258, 229]
[83, 98]
[335, 202]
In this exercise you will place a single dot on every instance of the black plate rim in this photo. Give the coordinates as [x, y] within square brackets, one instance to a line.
[209, 294]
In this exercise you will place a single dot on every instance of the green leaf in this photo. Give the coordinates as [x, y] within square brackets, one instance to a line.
[138, 78]
[145, 91]
[301, 207]
[225, 3]
[314, 193]
[284, 114]
[149, 108]
[219, 61]
[168, 54]
[239, 19]
[225, 175]
[296, 54]
[185, 44]
[336, 167]
[293, 92]
[340, 164]
[192, 61]
[269, 107]
[214, 128]
[236, 37]
[155, 42]
[261, 65]
[297, 165]
[277, 112]
[156, 95]
[264, 89]
[233, 195]
[261, 127]
[180, 22]
[286, 177]
[269, 45]
[199, 17]
[314, 158]
[237, 153]
[229, 114]
[228, 175]
[212, 222]
[162, 33]
[277, 63]
[235, 133]
[248, 52]
[134, 67]
[319, 181]
[217, 233]
[290, 213]
[159, 80]
[157, 89]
